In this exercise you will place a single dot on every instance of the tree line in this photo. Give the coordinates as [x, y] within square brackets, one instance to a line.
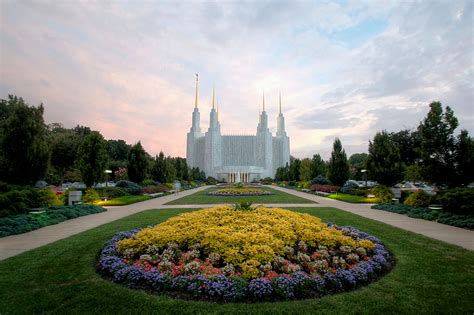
[31, 150]
[431, 153]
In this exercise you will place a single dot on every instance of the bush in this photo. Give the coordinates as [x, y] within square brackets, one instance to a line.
[320, 179]
[292, 183]
[148, 182]
[131, 187]
[418, 199]
[48, 198]
[267, 181]
[112, 192]
[325, 188]
[154, 189]
[22, 223]
[349, 188]
[404, 195]
[382, 193]
[17, 199]
[458, 200]
[91, 195]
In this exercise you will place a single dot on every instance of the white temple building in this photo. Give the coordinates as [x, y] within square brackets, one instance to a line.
[237, 158]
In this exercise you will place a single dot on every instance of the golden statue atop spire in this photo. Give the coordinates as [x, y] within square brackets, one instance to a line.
[280, 102]
[196, 101]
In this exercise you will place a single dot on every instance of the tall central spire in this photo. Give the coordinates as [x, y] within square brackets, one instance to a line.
[196, 100]
[280, 102]
[213, 97]
[263, 101]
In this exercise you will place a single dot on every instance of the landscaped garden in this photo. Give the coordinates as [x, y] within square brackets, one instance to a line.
[203, 197]
[429, 277]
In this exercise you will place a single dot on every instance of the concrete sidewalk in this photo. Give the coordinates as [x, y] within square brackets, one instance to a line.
[16, 244]
[438, 231]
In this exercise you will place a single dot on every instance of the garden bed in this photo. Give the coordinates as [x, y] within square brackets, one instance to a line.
[225, 254]
[235, 192]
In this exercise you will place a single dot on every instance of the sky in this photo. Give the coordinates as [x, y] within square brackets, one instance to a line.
[345, 69]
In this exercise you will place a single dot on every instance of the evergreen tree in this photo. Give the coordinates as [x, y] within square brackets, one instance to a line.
[319, 166]
[64, 145]
[357, 162]
[464, 158]
[338, 168]
[92, 158]
[306, 170]
[438, 145]
[24, 152]
[383, 163]
[137, 163]
[158, 169]
[294, 169]
[170, 170]
[408, 144]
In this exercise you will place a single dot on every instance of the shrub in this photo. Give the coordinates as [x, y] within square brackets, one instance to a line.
[48, 198]
[320, 179]
[148, 182]
[131, 187]
[418, 199]
[382, 193]
[154, 189]
[91, 195]
[404, 195]
[325, 188]
[211, 180]
[267, 181]
[17, 199]
[292, 183]
[349, 188]
[112, 192]
[458, 200]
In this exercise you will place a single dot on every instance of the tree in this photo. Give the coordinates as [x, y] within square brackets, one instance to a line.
[306, 169]
[181, 168]
[464, 158]
[92, 158]
[383, 163]
[438, 145]
[158, 169]
[137, 163]
[338, 168]
[357, 162]
[170, 170]
[294, 169]
[24, 153]
[117, 150]
[64, 145]
[319, 166]
[408, 144]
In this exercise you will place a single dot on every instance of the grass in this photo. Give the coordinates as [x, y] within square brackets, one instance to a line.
[202, 197]
[429, 277]
[123, 200]
[352, 198]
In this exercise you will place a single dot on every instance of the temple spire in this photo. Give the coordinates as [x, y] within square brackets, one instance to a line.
[217, 105]
[263, 101]
[196, 100]
[280, 102]
[213, 97]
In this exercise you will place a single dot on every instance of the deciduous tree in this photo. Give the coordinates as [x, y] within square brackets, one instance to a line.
[92, 158]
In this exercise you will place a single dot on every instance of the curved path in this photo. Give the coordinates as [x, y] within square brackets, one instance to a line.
[16, 244]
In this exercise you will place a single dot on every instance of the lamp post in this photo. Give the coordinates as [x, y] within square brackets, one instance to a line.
[107, 172]
[365, 173]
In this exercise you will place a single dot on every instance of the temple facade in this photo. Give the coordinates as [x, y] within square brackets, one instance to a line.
[237, 158]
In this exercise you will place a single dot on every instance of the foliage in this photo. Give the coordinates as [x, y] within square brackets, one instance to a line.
[24, 151]
[181, 167]
[22, 223]
[92, 158]
[16, 199]
[418, 199]
[63, 146]
[48, 198]
[245, 239]
[137, 163]
[457, 200]
[325, 188]
[131, 187]
[382, 193]
[408, 144]
[294, 169]
[413, 173]
[352, 198]
[320, 179]
[163, 169]
[91, 195]
[196, 174]
[338, 168]
[240, 192]
[357, 162]
[118, 150]
[267, 181]
[462, 221]
[153, 189]
[111, 192]
[244, 206]
[349, 188]
[438, 144]
[464, 158]
[123, 200]
[121, 173]
[211, 180]
[319, 167]
[306, 171]
[384, 164]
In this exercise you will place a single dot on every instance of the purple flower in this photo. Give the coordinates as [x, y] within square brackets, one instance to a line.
[260, 288]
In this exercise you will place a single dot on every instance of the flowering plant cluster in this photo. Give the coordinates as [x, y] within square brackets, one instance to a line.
[121, 173]
[240, 192]
[324, 188]
[196, 265]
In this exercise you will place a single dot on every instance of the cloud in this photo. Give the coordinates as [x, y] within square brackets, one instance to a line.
[345, 69]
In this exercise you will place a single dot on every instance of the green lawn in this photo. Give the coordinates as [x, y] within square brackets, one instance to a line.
[201, 197]
[352, 198]
[124, 200]
[429, 277]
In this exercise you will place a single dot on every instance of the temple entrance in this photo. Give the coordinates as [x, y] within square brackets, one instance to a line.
[238, 177]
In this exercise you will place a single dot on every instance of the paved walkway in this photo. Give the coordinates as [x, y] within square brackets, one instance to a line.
[16, 244]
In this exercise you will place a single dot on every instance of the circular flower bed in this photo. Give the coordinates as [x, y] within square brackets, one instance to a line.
[224, 254]
[240, 192]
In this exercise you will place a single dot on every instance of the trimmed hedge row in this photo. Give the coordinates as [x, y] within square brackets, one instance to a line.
[22, 223]
[462, 221]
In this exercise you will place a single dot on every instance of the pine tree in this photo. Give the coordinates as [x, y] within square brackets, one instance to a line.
[318, 166]
[338, 168]
[92, 158]
[137, 163]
